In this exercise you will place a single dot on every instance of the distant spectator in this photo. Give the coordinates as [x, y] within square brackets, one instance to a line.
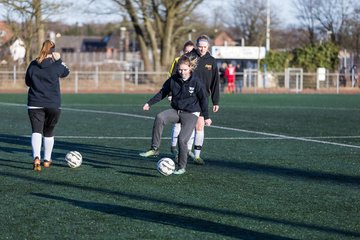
[354, 76]
[342, 77]
[239, 78]
[222, 76]
[230, 76]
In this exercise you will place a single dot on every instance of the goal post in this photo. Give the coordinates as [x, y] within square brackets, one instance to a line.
[294, 79]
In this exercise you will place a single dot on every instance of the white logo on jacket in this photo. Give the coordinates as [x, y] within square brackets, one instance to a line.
[191, 90]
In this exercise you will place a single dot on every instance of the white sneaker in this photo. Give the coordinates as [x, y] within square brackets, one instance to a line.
[180, 171]
[150, 153]
[191, 155]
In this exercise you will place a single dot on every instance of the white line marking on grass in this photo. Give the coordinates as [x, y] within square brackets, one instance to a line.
[13, 104]
[295, 108]
[147, 138]
[286, 137]
[213, 126]
[104, 137]
[107, 112]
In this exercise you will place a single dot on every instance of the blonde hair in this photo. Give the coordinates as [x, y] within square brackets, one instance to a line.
[47, 48]
[187, 61]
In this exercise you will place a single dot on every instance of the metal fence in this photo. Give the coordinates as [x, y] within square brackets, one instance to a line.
[97, 81]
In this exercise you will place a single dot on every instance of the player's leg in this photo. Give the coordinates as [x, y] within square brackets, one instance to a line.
[233, 88]
[51, 119]
[190, 144]
[162, 118]
[188, 122]
[199, 140]
[37, 120]
[174, 139]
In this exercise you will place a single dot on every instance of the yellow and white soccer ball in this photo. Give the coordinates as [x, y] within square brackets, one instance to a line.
[73, 159]
[166, 166]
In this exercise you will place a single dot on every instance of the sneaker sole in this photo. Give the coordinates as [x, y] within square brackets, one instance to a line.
[155, 155]
[47, 164]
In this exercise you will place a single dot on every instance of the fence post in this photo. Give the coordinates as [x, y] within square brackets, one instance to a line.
[136, 76]
[256, 80]
[14, 75]
[76, 87]
[122, 82]
[297, 82]
[97, 76]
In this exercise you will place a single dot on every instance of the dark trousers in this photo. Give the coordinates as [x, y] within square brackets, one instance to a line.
[188, 123]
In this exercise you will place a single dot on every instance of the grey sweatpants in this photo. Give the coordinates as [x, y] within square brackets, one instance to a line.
[188, 123]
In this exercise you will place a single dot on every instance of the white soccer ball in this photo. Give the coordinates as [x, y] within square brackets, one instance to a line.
[166, 166]
[73, 159]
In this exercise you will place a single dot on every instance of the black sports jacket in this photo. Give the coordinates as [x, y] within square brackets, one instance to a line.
[43, 82]
[189, 96]
[208, 73]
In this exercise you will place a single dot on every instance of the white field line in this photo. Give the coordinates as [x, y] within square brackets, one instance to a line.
[278, 136]
[107, 112]
[287, 137]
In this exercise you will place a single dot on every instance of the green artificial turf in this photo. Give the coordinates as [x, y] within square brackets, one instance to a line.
[277, 167]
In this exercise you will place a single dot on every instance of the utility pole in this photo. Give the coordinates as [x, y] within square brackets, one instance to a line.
[268, 27]
[122, 43]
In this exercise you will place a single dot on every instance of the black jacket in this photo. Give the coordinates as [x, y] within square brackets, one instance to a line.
[189, 96]
[43, 82]
[208, 72]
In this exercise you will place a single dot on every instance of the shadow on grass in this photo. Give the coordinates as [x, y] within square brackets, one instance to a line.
[291, 173]
[9, 163]
[87, 150]
[103, 152]
[131, 154]
[189, 223]
[196, 208]
[137, 174]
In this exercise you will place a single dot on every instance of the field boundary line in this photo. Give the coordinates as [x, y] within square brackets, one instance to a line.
[287, 137]
[213, 126]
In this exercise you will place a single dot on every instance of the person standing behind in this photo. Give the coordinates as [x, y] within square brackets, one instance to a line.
[42, 78]
[239, 78]
[208, 72]
[222, 76]
[354, 75]
[188, 100]
[188, 47]
[230, 75]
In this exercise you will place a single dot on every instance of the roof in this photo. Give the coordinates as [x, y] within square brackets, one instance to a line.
[224, 39]
[76, 43]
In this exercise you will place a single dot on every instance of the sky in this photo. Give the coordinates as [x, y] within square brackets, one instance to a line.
[282, 8]
[75, 13]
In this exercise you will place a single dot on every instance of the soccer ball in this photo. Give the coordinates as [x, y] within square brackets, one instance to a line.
[166, 166]
[73, 159]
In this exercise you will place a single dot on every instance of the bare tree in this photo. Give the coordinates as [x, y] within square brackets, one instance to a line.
[307, 17]
[332, 15]
[324, 19]
[26, 18]
[157, 24]
[249, 20]
[351, 34]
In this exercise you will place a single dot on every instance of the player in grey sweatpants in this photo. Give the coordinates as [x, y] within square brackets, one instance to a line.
[189, 98]
[188, 122]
